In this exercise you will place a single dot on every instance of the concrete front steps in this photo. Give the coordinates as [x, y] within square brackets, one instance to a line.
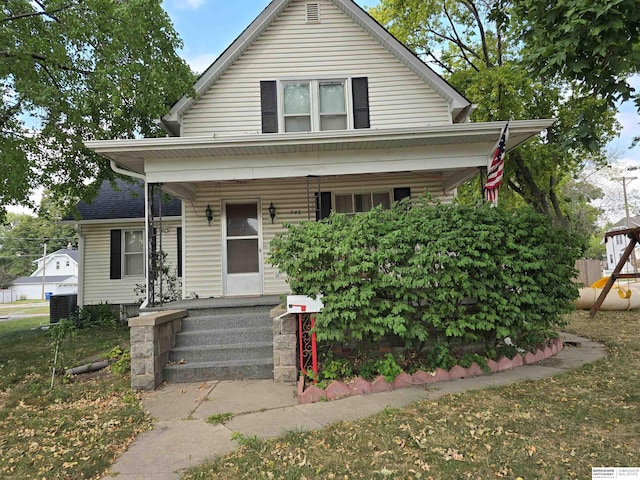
[229, 341]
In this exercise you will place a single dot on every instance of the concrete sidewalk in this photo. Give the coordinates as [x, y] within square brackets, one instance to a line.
[181, 437]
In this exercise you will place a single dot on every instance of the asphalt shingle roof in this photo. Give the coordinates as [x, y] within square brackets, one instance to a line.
[124, 201]
[63, 251]
[622, 224]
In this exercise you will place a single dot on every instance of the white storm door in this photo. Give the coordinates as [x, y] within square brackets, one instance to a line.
[242, 248]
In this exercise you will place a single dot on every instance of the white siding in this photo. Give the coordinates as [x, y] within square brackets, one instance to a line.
[334, 48]
[97, 286]
[203, 243]
[34, 291]
[59, 261]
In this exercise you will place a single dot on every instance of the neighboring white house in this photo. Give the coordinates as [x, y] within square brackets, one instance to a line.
[616, 245]
[60, 272]
[314, 108]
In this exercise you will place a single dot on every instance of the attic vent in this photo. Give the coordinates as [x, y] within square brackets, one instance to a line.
[313, 12]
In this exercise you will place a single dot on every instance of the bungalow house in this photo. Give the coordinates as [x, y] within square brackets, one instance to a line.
[55, 273]
[314, 108]
[615, 245]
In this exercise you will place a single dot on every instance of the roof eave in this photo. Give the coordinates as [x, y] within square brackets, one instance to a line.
[173, 119]
[112, 148]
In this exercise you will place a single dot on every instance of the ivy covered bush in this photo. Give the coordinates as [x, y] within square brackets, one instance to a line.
[432, 276]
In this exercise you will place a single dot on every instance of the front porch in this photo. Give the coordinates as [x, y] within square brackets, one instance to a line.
[215, 302]
[212, 339]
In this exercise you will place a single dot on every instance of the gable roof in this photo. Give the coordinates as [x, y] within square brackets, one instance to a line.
[634, 222]
[126, 200]
[73, 254]
[459, 106]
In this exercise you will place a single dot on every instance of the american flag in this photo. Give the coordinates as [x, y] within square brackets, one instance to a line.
[496, 168]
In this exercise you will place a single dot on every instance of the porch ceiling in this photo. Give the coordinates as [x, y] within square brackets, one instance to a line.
[133, 154]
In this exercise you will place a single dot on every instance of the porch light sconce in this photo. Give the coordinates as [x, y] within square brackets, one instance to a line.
[272, 212]
[209, 213]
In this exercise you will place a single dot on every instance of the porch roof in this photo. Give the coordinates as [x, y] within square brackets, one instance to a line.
[134, 153]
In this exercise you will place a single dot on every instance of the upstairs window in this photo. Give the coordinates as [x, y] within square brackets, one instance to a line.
[314, 105]
[297, 106]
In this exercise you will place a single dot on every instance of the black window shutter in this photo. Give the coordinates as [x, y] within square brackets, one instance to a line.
[179, 238]
[269, 105]
[400, 193]
[360, 90]
[323, 208]
[115, 266]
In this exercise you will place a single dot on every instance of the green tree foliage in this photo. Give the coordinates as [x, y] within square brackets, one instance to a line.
[22, 238]
[473, 274]
[594, 43]
[75, 70]
[474, 44]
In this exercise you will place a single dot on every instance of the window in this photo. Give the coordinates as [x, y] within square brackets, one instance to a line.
[67, 263]
[333, 106]
[58, 265]
[297, 106]
[314, 105]
[133, 252]
[361, 202]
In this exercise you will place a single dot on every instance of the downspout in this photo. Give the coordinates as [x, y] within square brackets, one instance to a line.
[140, 176]
[127, 173]
[80, 271]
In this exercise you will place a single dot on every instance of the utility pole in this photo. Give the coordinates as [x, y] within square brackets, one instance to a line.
[624, 180]
[44, 266]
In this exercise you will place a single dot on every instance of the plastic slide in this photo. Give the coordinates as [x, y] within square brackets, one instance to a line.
[620, 297]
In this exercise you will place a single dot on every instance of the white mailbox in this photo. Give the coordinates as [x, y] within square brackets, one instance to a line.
[303, 304]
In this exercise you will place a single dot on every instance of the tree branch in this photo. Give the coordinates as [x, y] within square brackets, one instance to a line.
[43, 13]
[460, 44]
[524, 175]
[437, 61]
[455, 32]
[42, 60]
[516, 188]
[483, 35]
[50, 75]
[562, 220]
[8, 113]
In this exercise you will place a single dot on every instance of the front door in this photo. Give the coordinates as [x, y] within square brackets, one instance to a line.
[242, 248]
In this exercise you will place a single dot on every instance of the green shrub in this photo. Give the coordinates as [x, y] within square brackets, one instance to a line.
[101, 315]
[388, 367]
[121, 360]
[336, 368]
[430, 273]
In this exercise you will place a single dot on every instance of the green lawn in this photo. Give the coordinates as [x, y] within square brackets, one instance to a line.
[557, 427]
[74, 430]
[553, 428]
[31, 307]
